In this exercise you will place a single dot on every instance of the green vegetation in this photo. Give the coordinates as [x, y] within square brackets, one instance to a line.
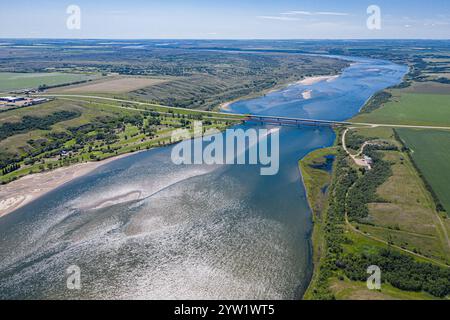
[345, 289]
[316, 175]
[62, 133]
[402, 212]
[411, 109]
[408, 212]
[355, 141]
[393, 219]
[344, 258]
[429, 151]
[226, 77]
[192, 78]
[400, 271]
[394, 212]
[332, 230]
[364, 189]
[376, 101]
[405, 211]
[10, 81]
[29, 123]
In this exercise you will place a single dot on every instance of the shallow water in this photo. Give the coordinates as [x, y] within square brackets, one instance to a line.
[142, 227]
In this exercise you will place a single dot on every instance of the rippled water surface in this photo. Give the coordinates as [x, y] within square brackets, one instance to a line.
[142, 227]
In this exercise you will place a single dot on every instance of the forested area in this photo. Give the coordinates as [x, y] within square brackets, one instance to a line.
[333, 229]
[376, 101]
[29, 123]
[399, 270]
[364, 190]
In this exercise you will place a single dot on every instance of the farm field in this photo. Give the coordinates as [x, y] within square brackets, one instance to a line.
[429, 150]
[411, 109]
[428, 88]
[112, 85]
[14, 81]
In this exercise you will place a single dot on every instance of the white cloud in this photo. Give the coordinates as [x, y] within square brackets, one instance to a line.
[327, 13]
[278, 18]
[306, 13]
[319, 13]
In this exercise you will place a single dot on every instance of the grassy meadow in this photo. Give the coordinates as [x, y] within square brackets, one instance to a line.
[10, 81]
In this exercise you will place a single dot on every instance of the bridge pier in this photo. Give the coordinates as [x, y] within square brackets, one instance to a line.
[277, 120]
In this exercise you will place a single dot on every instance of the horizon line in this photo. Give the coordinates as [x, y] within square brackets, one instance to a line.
[230, 39]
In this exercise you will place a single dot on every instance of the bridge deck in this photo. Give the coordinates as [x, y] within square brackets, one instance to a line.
[292, 121]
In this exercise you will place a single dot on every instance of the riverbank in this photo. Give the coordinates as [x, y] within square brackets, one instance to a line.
[313, 80]
[20, 192]
[306, 94]
[316, 171]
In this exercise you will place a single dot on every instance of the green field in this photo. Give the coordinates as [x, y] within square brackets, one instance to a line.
[14, 81]
[412, 109]
[430, 152]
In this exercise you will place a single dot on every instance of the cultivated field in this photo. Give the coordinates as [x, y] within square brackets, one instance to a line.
[428, 88]
[430, 151]
[411, 109]
[112, 85]
[14, 81]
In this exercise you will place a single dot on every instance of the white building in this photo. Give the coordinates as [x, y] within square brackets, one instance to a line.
[12, 99]
[39, 100]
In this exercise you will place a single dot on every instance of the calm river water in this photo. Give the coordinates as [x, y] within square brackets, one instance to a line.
[143, 228]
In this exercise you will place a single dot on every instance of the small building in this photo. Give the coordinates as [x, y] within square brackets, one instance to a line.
[38, 101]
[12, 99]
[368, 160]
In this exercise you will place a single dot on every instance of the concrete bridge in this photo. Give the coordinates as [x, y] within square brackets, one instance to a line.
[287, 121]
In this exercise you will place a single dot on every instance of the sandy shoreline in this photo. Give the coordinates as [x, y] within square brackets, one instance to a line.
[307, 82]
[307, 94]
[225, 106]
[313, 80]
[20, 192]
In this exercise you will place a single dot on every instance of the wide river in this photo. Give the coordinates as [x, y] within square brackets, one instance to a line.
[144, 228]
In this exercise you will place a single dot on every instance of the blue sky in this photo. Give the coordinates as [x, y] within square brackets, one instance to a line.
[231, 19]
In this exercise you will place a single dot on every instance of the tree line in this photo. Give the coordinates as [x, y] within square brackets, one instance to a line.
[29, 123]
[399, 270]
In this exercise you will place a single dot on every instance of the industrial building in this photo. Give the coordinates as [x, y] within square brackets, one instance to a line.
[12, 99]
[7, 103]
